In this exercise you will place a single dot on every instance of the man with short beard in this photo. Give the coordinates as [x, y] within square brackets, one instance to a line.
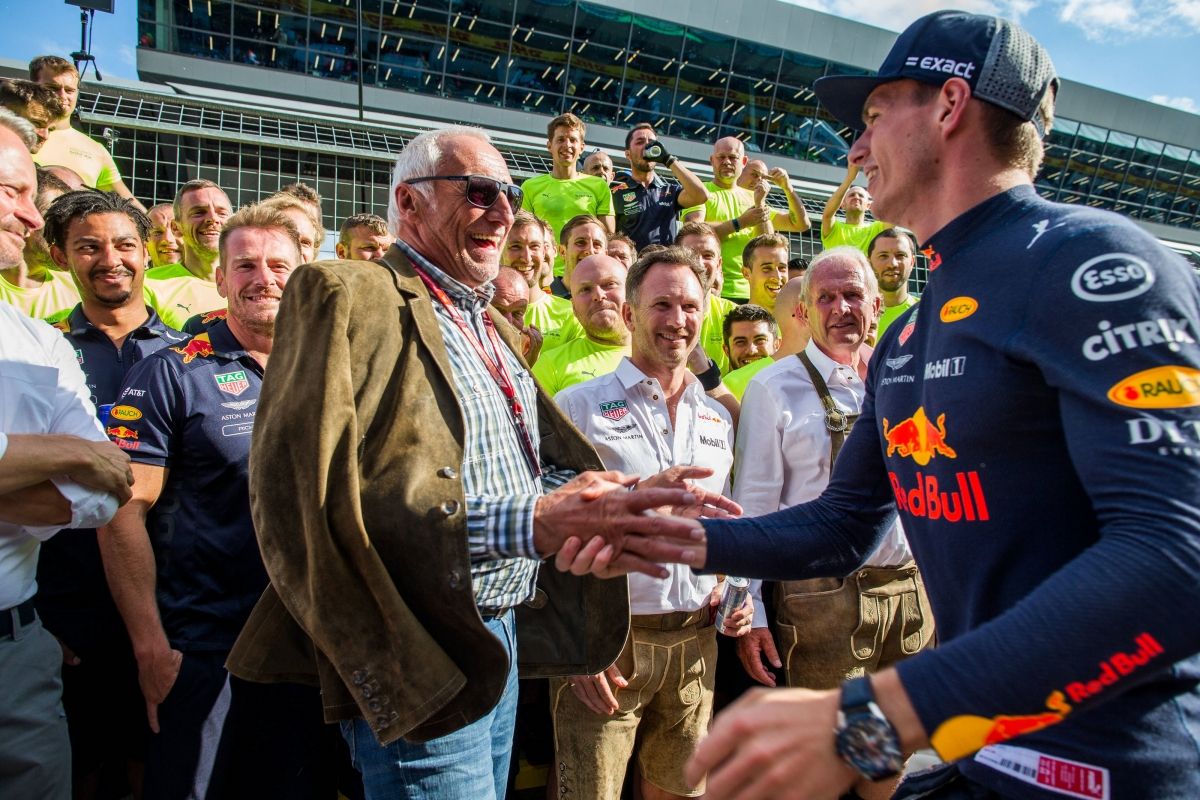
[181, 557]
[511, 299]
[163, 242]
[34, 285]
[526, 251]
[792, 338]
[701, 239]
[99, 238]
[648, 206]
[893, 253]
[179, 291]
[597, 293]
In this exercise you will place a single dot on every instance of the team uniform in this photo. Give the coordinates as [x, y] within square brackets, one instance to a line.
[646, 214]
[892, 313]
[737, 381]
[89, 159]
[51, 301]
[860, 236]
[670, 658]
[199, 323]
[555, 319]
[557, 200]
[712, 330]
[722, 205]
[576, 361]
[177, 295]
[105, 710]
[1034, 421]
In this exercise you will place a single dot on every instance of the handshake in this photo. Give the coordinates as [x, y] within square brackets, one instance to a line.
[608, 523]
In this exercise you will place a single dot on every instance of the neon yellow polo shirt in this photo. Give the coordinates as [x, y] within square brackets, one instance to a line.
[739, 379]
[712, 334]
[724, 205]
[556, 321]
[576, 361]
[177, 294]
[558, 200]
[859, 236]
[57, 294]
[70, 148]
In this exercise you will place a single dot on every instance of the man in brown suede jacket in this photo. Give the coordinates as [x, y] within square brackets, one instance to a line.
[407, 476]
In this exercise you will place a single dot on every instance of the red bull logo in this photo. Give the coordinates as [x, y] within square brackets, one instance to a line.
[121, 432]
[965, 503]
[214, 316]
[917, 439]
[196, 347]
[1115, 667]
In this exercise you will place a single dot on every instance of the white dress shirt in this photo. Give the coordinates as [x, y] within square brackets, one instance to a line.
[783, 448]
[42, 390]
[624, 415]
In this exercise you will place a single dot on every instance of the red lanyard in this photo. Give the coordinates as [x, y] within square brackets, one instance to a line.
[497, 367]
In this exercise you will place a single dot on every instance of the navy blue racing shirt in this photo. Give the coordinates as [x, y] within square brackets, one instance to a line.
[646, 214]
[72, 590]
[190, 409]
[1034, 421]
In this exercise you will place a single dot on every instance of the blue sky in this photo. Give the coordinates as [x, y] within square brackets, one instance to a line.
[1143, 48]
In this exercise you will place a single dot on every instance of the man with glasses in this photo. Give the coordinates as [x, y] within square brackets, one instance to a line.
[404, 521]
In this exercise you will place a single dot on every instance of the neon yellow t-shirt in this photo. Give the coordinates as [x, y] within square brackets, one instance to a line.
[576, 361]
[57, 294]
[556, 321]
[558, 200]
[712, 333]
[71, 148]
[723, 205]
[739, 379]
[891, 313]
[859, 236]
[177, 294]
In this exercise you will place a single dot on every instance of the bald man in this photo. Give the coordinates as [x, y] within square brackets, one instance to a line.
[511, 299]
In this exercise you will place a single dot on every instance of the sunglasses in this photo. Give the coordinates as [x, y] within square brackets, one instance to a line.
[482, 191]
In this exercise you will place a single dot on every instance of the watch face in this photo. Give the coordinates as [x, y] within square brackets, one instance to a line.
[868, 744]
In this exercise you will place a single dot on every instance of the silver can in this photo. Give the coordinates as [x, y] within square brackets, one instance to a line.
[733, 597]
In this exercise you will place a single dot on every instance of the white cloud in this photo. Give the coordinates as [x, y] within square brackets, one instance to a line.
[1182, 103]
[51, 46]
[126, 54]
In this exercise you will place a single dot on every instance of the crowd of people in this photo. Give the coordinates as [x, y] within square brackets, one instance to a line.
[484, 487]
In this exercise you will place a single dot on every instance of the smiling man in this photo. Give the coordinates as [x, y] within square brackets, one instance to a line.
[100, 239]
[181, 557]
[163, 240]
[1059, 543]
[893, 254]
[764, 265]
[180, 291]
[526, 251]
[405, 522]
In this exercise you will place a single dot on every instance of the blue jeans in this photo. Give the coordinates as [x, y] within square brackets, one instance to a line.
[471, 762]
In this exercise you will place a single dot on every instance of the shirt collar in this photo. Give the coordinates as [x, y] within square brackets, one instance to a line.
[463, 296]
[630, 376]
[153, 326]
[826, 366]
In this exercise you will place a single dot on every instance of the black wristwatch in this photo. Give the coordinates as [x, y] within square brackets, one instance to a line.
[865, 739]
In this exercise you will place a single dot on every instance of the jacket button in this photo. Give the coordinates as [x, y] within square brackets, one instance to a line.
[358, 677]
[449, 508]
[455, 578]
[447, 472]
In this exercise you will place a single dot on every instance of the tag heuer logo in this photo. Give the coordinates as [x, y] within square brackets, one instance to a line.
[233, 383]
[615, 410]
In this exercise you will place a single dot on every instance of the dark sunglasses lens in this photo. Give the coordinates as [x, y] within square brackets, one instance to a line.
[482, 192]
[516, 196]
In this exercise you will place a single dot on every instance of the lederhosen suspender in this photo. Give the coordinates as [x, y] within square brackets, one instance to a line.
[837, 422]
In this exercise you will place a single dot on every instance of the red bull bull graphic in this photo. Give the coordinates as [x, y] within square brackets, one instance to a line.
[121, 432]
[917, 439]
[196, 347]
[964, 734]
[214, 316]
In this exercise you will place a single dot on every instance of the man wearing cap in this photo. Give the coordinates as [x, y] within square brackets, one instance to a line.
[1026, 454]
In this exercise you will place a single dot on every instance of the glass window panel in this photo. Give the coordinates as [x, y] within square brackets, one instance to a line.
[294, 6]
[496, 11]
[554, 16]
[203, 44]
[705, 49]
[474, 91]
[481, 52]
[1091, 136]
[212, 16]
[592, 111]
[800, 70]
[595, 76]
[1150, 146]
[756, 59]
[656, 37]
[599, 25]
[826, 145]
[1065, 127]
[746, 106]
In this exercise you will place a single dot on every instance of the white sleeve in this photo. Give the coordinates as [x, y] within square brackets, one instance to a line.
[758, 452]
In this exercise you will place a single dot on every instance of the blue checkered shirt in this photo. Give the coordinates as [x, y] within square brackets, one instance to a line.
[499, 485]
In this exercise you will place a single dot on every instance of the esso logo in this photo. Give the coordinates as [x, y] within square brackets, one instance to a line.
[1112, 277]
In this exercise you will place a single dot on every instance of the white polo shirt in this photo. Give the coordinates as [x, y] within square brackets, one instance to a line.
[624, 415]
[783, 447]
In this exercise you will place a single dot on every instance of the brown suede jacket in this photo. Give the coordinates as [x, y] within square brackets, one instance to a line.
[361, 518]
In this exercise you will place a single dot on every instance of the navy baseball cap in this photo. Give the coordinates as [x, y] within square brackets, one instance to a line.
[1003, 64]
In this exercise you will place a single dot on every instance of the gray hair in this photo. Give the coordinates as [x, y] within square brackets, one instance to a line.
[842, 253]
[420, 158]
[20, 126]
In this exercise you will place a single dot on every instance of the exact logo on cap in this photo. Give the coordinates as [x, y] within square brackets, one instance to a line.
[963, 69]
